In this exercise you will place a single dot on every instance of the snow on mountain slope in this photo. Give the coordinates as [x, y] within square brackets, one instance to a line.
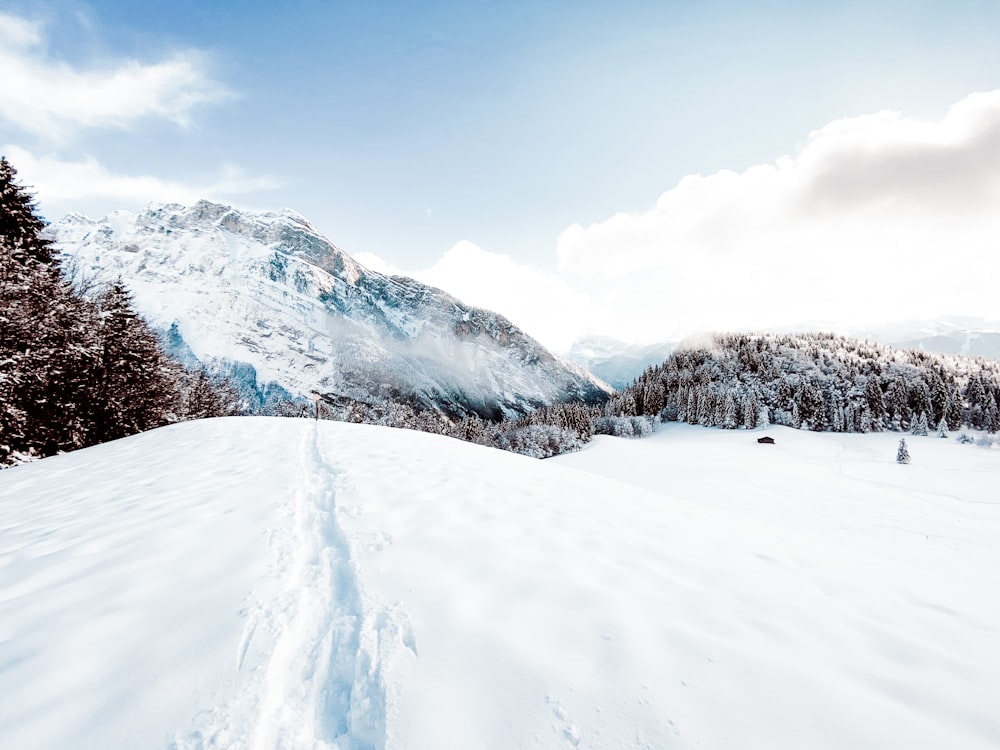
[265, 583]
[616, 362]
[972, 337]
[267, 290]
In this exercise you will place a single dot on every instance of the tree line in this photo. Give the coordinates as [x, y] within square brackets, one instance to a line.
[818, 382]
[813, 381]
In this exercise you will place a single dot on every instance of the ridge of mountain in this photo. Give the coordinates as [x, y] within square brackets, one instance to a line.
[617, 362]
[268, 298]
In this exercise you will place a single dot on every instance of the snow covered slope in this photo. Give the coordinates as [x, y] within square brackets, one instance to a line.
[267, 290]
[267, 583]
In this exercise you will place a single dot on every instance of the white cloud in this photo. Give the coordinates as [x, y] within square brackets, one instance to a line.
[48, 97]
[875, 218]
[19, 33]
[54, 180]
[540, 303]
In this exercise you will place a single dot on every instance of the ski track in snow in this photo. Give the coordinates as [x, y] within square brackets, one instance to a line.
[321, 681]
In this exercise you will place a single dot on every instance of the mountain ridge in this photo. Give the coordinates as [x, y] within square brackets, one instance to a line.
[265, 290]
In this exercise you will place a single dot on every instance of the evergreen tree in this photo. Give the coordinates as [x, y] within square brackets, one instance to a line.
[46, 344]
[24, 245]
[751, 411]
[875, 403]
[653, 399]
[206, 396]
[136, 389]
[728, 420]
[991, 414]
[902, 455]
[692, 406]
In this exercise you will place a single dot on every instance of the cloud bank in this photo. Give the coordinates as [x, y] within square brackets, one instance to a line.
[64, 183]
[48, 97]
[874, 218]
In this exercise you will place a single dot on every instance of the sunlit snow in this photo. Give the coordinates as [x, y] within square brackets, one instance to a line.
[266, 583]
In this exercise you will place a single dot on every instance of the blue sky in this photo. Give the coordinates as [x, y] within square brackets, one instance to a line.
[411, 131]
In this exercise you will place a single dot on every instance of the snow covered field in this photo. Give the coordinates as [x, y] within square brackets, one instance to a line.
[267, 583]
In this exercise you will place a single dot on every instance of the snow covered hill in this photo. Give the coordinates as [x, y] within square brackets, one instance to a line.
[265, 290]
[268, 583]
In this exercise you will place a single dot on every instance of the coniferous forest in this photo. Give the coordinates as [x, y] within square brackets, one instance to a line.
[817, 382]
[76, 368]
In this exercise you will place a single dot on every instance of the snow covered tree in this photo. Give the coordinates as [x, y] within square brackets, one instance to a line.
[942, 428]
[902, 455]
[919, 424]
[136, 388]
[875, 404]
[728, 412]
[24, 245]
[897, 404]
[45, 334]
[991, 414]
[653, 396]
[751, 411]
[206, 396]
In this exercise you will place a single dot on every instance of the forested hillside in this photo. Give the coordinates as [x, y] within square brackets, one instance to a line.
[78, 369]
[817, 382]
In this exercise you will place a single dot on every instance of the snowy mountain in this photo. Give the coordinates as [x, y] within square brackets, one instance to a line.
[283, 583]
[274, 301]
[616, 362]
[969, 336]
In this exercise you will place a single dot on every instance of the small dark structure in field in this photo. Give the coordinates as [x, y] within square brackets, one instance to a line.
[766, 440]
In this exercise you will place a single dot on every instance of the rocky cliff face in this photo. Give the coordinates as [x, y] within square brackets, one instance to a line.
[265, 293]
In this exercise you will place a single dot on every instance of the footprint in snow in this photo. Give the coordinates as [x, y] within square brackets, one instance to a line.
[563, 725]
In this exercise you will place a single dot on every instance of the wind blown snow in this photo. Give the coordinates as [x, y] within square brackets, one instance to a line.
[268, 583]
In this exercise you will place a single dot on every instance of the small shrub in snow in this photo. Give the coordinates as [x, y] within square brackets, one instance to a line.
[965, 439]
[902, 455]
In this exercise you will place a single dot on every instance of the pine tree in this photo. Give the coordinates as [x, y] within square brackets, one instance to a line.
[729, 412]
[919, 424]
[46, 342]
[751, 411]
[21, 227]
[941, 429]
[875, 403]
[135, 390]
[692, 406]
[902, 455]
[897, 404]
[991, 414]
